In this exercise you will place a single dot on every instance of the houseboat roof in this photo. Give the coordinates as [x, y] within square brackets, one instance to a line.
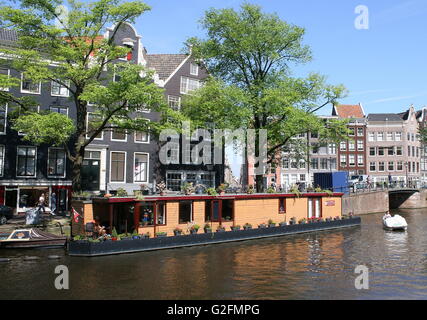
[196, 197]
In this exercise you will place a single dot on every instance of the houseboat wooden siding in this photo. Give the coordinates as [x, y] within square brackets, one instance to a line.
[253, 209]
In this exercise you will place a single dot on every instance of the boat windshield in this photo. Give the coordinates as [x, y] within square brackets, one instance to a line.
[20, 235]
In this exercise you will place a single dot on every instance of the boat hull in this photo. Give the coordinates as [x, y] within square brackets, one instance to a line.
[33, 244]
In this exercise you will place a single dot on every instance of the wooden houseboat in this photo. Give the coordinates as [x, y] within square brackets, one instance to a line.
[160, 218]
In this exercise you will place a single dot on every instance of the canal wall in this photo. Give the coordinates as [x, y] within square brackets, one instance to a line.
[415, 200]
[364, 203]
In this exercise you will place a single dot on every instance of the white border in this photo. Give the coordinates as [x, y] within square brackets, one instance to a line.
[65, 163]
[30, 92]
[116, 151]
[148, 167]
[60, 95]
[87, 125]
[35, 163]
[54, 106]
[118, 140]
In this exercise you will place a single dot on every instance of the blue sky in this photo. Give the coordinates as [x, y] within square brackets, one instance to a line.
[384, 67]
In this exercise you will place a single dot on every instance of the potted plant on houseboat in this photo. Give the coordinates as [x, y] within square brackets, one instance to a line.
[188, 188]
[80, 239]
[82, 195]
[283, 224]
[145, 190]
[293, 220]
[177, 231]
[337, 218]
[194, 229]
[270, 189]
[262, 225]
[318, 189]
[251, 189]
[146, 235]
[114, 235]
[328, 219]
[211, 191]
[200, 188]
[302, 221]
[271, 223]
[295, 191]
[235, 228]
[247, 226]
[220, 228]
[161, 187]
[207, 228]
[222, 187]
[121, 193]
[135, 235]
[161, 234]
[125, 236]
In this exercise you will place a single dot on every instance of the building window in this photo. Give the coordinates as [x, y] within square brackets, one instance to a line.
[314, 163]
[332, 148]
[343, 161]
[372, 151]
[398, 136]
[141, 167]
[56, 162]
[29, 86]
[285, 163]
[389, 136]
[227, 210]
[118, 135]
[174, 102]
[391, 166]
[142, 137]
[1, 161]
[373, 166]
[194, 69]
[343, 146]
[147, 214]
[3, 118]
[4, 72]
[351, 132]
[381, 151]
[399, 166]
[282, 205]
[60, 110]
[92, 123]
[302, 164]
[351, 160]
[185, 211]
[360, 132]
[381, 166]
[59, 90]
[409, 151]
[161, 213]
[390, 151]
[371, 136]
[360, 160]
[409, 137]
[380, 136]
[333, 164]
[118, 166]
[360, 145]
[323, 163]
[26, 162]
[351, 146]
[399, 151]
[189, 84]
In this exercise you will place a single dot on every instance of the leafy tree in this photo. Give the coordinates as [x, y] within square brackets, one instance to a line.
[70, 50]
[249, 55]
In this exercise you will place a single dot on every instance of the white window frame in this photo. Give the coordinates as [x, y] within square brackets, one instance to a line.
[187, 91]
[35, 162]
[370, 166]
[30, 92]
[64, 107]
[60, 95]
[362, 162]
[87, 126]
[192, 64]
[398, 136]
[350, 156]
[371, 136]
[142, 142]
[147, 168]
[179, 101]
[118, 140]
[8, 74]
[125, 167]
[5, 119]
[2, 160]
[21, 133]
[65, 163]
[360, 143]
[380, 166]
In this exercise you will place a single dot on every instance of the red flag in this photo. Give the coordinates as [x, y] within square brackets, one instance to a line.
[76, 215]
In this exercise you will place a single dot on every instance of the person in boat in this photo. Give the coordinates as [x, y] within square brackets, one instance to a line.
[387, 215]
[98, 228]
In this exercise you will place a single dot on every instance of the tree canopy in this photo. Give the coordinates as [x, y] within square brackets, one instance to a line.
[250, 55]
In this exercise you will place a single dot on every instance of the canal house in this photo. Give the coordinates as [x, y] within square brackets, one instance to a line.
[155, 215]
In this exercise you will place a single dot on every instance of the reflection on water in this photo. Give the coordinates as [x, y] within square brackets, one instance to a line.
[310, 266]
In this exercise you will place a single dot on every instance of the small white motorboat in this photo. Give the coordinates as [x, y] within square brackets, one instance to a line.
[395, 223]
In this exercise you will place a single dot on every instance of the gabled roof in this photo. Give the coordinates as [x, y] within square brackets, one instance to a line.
[165, 64]
[384, 117]
[348, 111]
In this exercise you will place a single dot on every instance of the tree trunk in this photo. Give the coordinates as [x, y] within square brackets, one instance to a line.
[77, 167]
[259, 179]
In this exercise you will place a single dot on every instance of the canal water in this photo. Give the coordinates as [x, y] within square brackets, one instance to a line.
[309, 266]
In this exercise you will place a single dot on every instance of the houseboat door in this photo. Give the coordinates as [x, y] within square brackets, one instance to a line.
[11, 199]
[314, 208]
[216, 210]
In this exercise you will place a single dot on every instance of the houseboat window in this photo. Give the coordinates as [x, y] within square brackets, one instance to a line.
[208, 208]
[282, 205]
[185, 211]
[227, 210]
[147, 214]
[161, 213]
